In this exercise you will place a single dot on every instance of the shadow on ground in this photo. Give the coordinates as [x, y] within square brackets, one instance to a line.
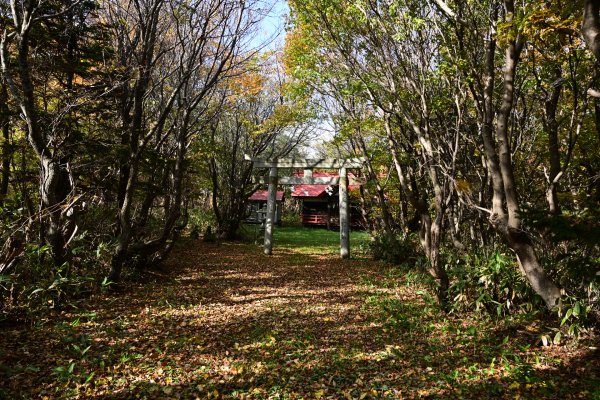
[228, 322]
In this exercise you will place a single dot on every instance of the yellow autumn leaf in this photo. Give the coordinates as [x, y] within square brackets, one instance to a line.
[514, 385]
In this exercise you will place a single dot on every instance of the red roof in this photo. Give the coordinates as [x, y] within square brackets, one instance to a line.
[263, 195]
[309, 190]
[316, 190]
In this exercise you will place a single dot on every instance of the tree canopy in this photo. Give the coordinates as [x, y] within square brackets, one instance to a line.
[125, 125]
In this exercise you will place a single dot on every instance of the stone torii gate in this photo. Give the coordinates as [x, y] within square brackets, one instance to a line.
[341, 164]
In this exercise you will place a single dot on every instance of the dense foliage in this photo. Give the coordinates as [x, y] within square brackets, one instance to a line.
[124, 128]
[120, 118]
[480, 122]
[481, 126]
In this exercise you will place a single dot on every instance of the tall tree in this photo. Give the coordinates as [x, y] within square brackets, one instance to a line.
[47, 126]
[258, 119]
[174, 55]
[505, 213]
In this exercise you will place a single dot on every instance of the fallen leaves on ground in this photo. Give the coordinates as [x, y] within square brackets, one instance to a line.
[227, 322]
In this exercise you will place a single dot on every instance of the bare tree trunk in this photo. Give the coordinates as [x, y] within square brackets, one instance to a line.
[597, 117]
[365, 207]
[133, 124]
[6, 148]
[54, 180]
[214, 198]
[551, 125]
[430, 232]
[435, 233]
[430, 237]
[487, 128]
[511, 227]
[386, 216]
[590, 26]
[454, 221]
[157, 249]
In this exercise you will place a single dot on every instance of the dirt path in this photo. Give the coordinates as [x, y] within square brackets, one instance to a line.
[228, 322]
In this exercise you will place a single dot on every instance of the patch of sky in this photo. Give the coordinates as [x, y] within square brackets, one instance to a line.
[270, 34]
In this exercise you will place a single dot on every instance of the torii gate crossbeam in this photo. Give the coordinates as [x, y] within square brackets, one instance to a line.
[308, 165]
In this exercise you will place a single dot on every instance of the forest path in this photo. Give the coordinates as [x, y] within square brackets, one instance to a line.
[226, 321]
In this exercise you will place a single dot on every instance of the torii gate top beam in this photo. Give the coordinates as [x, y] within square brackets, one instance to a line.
[322, 163]
[325, 180]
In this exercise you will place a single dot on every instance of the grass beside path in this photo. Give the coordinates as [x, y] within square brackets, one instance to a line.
[226, 322]
[309, 240]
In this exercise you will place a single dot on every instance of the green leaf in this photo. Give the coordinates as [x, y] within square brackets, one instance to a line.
[576, 309]
[89, 378]
[567, 316]
[557, 338]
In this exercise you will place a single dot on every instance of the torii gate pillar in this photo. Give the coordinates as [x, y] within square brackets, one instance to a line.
[344, 215]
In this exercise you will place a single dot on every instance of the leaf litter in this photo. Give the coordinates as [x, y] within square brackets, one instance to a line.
[227, 322]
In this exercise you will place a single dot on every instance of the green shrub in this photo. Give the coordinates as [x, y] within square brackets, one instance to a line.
[490, 284]
[403, 250]
[200, 219]
[36, 285]
[291, 217]
[571, 252]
